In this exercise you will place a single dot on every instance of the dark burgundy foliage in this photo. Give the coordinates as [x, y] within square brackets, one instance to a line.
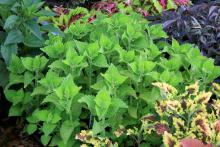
[198, 24]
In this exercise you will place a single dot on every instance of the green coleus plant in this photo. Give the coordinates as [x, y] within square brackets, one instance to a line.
[183, 118]
[99, 77]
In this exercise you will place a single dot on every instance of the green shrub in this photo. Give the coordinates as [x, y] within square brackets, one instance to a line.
[99, 77]
[20, 30]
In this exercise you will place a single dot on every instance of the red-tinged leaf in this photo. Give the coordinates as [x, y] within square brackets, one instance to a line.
[188, 142]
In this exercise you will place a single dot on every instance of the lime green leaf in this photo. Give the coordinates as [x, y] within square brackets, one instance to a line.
[16, 65]
[45, 139]
[34, 64]
[93, 50]
[51, 80]
[102, 103]
[41, 115]
[72, 59]
[39, 90]
[100, 61]
[48, 128]
[31, 128]
[156, 31]
[68, 89]
[89, 100]
[14, 96]
[105, 42]
[55, 50]
[66, 130]
[113, 76]
[28, 77]
[15, 110]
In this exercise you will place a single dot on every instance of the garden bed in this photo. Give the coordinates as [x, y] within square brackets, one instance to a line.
[109, 73]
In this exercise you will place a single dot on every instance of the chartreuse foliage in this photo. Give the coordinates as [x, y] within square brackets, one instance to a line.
[99, 77]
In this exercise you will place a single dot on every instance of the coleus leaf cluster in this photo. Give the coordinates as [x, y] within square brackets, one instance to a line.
[98, 73]
[186, 118]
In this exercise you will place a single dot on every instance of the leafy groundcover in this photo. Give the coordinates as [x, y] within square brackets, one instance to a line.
[98, 78]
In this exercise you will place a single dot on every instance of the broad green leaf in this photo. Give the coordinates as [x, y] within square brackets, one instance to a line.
[89, 100]
[51, 81]
[34, 28]
[142, 66]
[45, 139]
[100, 61]
[116, 104]
[31, 119]
[93, 50]
[113, 76]
[16, 65]
[15, 110]
[31, 128]
[59, 65]
[15, 79]
[52, 98]
[208, 66]
[99, 127]
[39, 90]
[32, 41]
[132, 111]
[48, 128]
[127, 56]
[68, 89]
[11, 21]
[41, 115]
[56, 118]
[56, 50]
[126, 90]
[156, 31]
[14, 96]
[14, 36]
[34, 64]
[28, 77]
[102, 103]
[165, 76]
[7, 51]
[99, 84]
[7, 2]
[130, 30]
[66, 130]
[105, 42]
[72, 59]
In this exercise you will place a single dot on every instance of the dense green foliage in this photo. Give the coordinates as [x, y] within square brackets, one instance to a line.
[98, 73]
[20, 30]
